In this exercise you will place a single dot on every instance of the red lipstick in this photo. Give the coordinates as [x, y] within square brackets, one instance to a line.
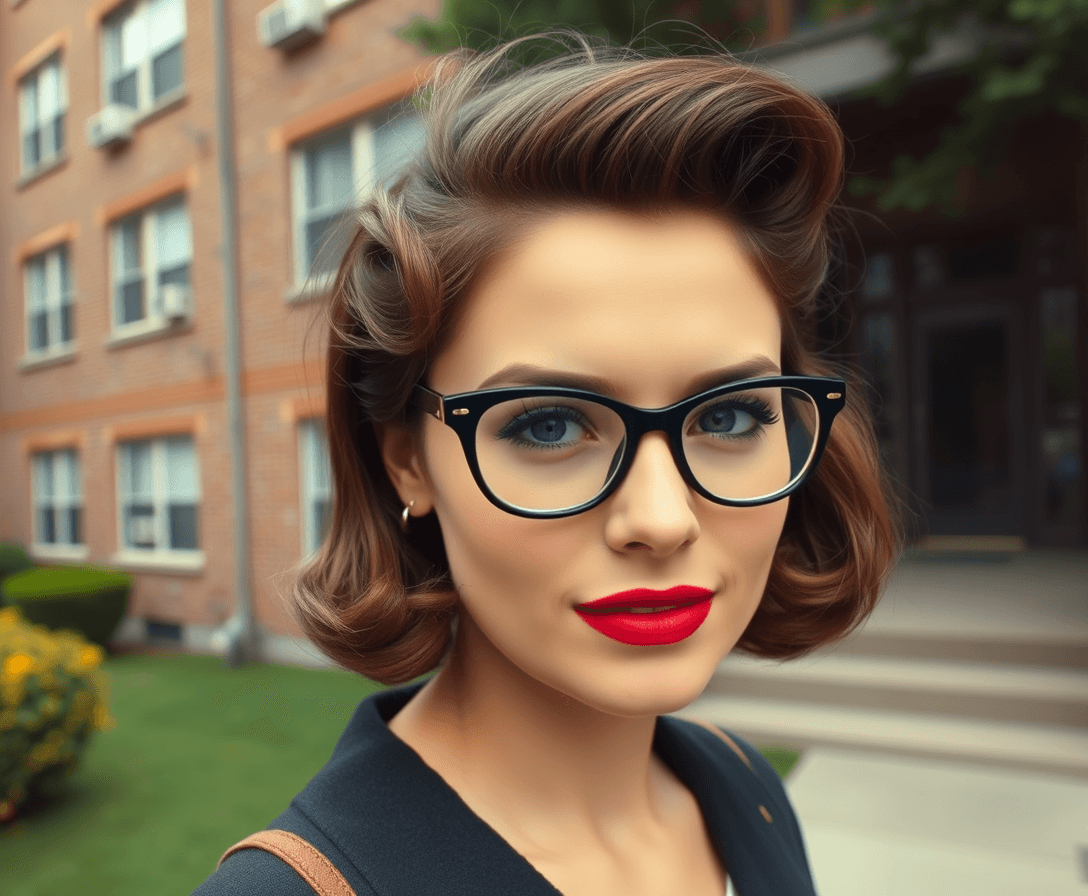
[617, 616]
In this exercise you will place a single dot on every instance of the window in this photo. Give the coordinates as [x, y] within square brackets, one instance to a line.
[142, 49]
[48, 292]
[43, 100]
[333, 171]
[151, 249]
[316, 488]
[160, 494]
[58, 498]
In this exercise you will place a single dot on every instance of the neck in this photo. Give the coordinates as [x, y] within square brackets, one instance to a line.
[522, 752]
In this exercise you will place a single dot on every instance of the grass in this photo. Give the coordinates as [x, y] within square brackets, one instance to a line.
[202, 756]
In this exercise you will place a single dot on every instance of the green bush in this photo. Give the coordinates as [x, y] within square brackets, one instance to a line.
[52, 696]
[13, 559]
[88, 599]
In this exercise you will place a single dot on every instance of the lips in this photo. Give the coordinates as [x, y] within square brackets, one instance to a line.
[644, 617]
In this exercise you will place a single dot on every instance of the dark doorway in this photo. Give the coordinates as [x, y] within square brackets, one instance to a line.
[967, 440]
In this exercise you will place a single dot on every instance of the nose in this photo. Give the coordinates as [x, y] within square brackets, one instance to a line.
[651, 510]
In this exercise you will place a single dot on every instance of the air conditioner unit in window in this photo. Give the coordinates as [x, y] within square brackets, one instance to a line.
[175, 301]
[290, 23]
[141, 531]
[111, 126]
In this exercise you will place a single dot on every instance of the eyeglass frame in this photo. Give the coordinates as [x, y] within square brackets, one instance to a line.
[463, 411]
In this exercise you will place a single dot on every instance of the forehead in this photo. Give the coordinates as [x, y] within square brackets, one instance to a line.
[646, 301]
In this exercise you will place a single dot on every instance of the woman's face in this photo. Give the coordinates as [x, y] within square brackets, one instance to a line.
[650, 304]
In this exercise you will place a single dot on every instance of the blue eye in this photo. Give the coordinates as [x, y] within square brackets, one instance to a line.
[736, 418]
[557, 427]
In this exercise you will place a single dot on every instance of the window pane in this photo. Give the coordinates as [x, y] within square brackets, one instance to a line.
[139, 525]
[35, 283]
[123, 90]
[67, 324]
[48, 92]
[43, 478]
[183, 535]
[32, 149]
[166, 72]
[326, 241]
[165, 23]
[181, 472]
[132, 302]
[128, 247]
[133, 30]
[28, 104]
[173, 240]
[47, 525]
[395, 142]
[322, 518]
[178, 275]
[58, 133]
[62, 271]
[39, 331]
[75, 524]
[136, 480]
[328, 172]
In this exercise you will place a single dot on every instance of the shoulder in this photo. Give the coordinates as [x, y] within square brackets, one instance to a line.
[256, 872]
[750, 774]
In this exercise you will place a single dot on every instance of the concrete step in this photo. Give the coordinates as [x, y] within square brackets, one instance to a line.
[1048, 748]
[1067, 650]
[1001, 692]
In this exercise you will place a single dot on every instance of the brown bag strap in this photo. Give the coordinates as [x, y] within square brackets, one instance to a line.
[311, 864]
[732, 743]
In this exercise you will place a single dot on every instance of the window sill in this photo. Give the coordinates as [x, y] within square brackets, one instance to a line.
[59, 551]
[161, 105]
[159, 561]
[48, 358]
[43, 168]
[145, 331]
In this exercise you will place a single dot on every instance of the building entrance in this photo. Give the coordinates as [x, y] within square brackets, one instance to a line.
[968, 410]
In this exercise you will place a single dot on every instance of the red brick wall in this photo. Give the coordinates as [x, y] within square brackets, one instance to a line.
[180, 373]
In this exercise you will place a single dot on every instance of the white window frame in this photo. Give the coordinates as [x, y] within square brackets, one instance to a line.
[31, 98]
[315, 479]
[55, 300]
[361, 133]
[112, 36]
[161, 553]
[63, 470]
[147, 220]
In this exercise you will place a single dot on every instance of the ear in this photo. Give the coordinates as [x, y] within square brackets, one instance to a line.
[402, 457]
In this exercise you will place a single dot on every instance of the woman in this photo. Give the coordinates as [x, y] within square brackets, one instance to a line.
[582, 450]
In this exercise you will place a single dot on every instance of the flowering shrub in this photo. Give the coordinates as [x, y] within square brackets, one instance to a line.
[52, 696]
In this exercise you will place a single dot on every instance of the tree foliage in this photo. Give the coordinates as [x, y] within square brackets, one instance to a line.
[1030, 58]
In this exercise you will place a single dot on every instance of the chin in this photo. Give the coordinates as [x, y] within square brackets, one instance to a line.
[659, 688]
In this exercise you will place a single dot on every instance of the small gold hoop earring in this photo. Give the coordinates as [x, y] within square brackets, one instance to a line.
[404, 516]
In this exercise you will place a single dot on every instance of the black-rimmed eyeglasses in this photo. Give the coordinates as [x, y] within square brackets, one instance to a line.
[547, 452]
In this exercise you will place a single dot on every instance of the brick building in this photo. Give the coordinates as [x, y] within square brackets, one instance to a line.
[115, 337]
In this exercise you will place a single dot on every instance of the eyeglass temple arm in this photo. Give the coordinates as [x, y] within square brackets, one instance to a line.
[427, 401]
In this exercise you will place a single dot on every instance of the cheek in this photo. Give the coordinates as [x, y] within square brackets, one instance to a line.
[751, 535]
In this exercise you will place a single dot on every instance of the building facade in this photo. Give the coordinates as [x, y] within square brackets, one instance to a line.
[115, 347]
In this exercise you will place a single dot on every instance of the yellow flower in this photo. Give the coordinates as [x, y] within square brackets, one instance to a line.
[9, 618]
[103, 721]
[16, 665]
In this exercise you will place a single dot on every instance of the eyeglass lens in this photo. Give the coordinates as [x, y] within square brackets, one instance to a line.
[555, 452]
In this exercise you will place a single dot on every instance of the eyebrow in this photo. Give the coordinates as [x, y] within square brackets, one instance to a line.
[532, 375]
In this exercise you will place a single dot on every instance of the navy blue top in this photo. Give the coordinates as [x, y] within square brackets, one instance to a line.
[393, 827]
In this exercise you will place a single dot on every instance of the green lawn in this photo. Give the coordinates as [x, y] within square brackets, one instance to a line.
[202, 756]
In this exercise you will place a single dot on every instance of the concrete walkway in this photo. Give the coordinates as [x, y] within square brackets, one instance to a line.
[878, 825]
[888, 825]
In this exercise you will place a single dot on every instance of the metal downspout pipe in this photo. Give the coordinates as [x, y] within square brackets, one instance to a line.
[238, 640]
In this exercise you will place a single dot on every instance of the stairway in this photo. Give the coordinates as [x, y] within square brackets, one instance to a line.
[987, 665]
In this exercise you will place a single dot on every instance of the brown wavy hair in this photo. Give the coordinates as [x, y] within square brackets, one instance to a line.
[506, 143]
